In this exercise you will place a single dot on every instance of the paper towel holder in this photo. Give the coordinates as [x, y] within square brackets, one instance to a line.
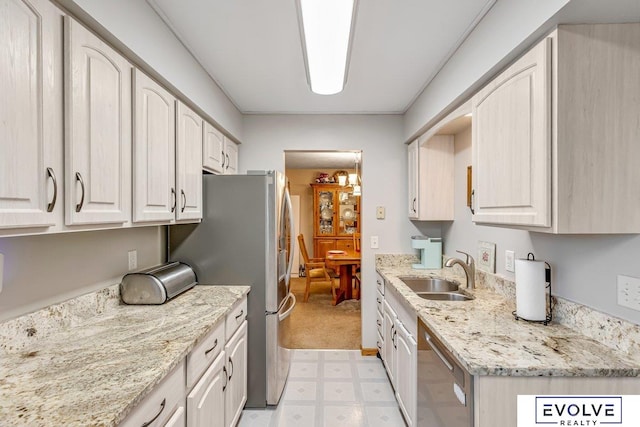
[549, 316]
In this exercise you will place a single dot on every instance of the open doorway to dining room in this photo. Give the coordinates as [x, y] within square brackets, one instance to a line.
[326, 191]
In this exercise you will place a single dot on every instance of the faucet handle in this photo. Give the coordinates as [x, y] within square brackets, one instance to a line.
[468, 257]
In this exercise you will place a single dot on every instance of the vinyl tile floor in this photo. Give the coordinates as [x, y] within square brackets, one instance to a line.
[331, 388]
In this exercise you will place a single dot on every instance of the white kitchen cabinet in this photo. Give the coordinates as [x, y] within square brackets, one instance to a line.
[97, 130]
[189, 134]
[167, 165]
[164, 406]
[430, 178]
[406, 373]
[555, 135]
[236, 390]
[31, 147]
[213, 158]
[231, 157]
[206, 402]
[154, 190]
[389, 341]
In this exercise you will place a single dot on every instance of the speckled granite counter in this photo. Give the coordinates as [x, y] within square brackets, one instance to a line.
[94, 369]
[485, 337]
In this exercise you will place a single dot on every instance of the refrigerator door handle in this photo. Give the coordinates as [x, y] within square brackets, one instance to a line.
[289, 207]
[287, 313]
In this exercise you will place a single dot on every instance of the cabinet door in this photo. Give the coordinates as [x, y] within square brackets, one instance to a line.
[512, 143]
[98, 130]
[412, 176]
[406, 374]
[236, 391]
[205, 403]
[213, 158]
[154, 196]
[389, 342]
[231, 157]
[178, 419]
[188, 163]
[30, 112]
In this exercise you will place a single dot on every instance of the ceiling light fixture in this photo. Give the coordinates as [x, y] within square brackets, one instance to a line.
[326, 27]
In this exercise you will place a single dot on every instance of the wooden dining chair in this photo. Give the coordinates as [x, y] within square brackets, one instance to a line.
[316, 270]
[356, 273]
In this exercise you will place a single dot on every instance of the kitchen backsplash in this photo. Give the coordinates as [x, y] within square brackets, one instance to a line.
[18, 334]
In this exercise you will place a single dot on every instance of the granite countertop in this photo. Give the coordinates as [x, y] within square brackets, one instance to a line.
[484, 335]
[96, 370]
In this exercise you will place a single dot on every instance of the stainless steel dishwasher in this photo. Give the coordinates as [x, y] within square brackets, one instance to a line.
[445, 389]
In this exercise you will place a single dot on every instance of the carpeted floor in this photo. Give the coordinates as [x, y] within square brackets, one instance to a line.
[317, 324]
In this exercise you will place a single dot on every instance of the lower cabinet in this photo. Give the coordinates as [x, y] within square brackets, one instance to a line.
[208, 388]
[400, 352]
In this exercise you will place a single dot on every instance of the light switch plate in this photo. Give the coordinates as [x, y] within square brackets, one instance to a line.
[380, 212]
[509, 261]
[374, 242]
[629, 292]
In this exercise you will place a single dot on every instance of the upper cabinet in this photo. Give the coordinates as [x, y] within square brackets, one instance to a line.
[189, 134]
[219, 153]
[167, 165]
[98, 130]
[31, 145]
[154, 189]
[555, 136]
[231, 157]
[430, 173]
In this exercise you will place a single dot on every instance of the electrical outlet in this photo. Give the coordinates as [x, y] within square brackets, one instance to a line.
[380, 212]
[374, 242]
[509, 261]
[629, 292]
[133, 259]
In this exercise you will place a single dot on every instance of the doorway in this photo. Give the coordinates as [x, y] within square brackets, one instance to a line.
[317, 323]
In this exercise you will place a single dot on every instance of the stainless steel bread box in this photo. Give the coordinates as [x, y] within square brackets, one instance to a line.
[157, 285]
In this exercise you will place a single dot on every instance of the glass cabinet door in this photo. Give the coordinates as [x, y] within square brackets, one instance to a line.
[326, 217]
[349, 215]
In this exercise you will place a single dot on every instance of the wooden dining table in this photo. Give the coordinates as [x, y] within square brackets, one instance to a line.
[346, 260]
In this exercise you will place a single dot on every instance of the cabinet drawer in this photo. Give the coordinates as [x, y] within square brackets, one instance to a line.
[204, 353]
[162, 402]
[380, 284]
[379, 322]
[379, 301]
[235, 318]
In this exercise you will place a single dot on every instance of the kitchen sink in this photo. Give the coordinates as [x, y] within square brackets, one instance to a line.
[423, 284]
[444, 296]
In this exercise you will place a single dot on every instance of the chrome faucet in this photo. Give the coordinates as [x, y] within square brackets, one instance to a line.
[468, 266]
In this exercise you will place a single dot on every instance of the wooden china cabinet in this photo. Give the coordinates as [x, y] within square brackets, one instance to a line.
[336, 217]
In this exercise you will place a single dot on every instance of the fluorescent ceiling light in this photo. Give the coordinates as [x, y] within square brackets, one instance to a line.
[326, 26]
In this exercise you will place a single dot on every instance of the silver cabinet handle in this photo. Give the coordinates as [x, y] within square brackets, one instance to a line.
[226, 378]
[438, 352]
[184, 200]
[231, 373]
[413, 204]
[173, 195]
[52, 204]
[223, 159]
[227, 156]
[378, 322]
[79, 179]
[473, 199]
[148, 423]
[215, 344]
[240, 314]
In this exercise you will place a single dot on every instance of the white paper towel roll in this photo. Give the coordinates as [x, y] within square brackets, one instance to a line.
[531, 297]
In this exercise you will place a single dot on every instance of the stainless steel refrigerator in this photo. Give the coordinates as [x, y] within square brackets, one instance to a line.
[245, 239]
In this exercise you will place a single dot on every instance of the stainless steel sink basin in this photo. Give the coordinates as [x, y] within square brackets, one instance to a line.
[444, 296]
[420, 284]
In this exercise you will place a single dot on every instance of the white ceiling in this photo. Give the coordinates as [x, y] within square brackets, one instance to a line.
[252, 49]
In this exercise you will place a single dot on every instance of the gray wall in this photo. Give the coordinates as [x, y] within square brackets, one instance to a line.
[47, 269]
[585, 267]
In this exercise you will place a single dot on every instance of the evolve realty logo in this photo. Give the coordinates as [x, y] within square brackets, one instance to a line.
[578, 410]
[569, 411]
